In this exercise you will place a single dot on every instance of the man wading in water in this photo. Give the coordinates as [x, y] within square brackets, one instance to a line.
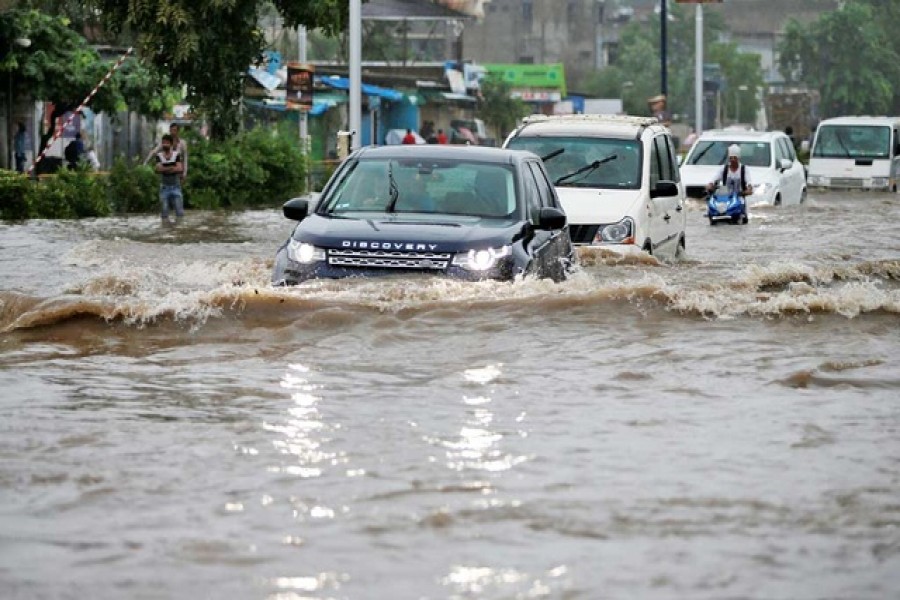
[170, 166]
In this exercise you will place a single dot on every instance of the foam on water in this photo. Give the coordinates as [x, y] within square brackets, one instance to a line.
[195, 291]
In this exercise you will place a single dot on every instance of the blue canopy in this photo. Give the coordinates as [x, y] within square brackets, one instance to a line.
[343, 83]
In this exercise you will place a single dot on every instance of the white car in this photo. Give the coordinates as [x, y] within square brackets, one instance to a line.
[616, 177]
[778, 177]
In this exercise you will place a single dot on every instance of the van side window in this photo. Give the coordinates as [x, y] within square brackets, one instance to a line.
[655, 173]
[664, 161]
[676, 171]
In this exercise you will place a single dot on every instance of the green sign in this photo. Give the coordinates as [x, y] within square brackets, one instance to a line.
[551, 76]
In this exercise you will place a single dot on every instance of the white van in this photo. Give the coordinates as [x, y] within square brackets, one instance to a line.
[616, 177]
[861, 153]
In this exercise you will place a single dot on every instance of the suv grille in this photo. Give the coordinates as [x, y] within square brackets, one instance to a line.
[583, 234]
[429, 261]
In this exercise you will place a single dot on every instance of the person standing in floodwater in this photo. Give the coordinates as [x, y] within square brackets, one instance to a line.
[170, 165]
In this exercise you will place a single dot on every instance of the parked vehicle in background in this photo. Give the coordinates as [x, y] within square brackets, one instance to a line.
[777, 174]
[471, 131]
[617, 178]
[460, 212]
[861, 153]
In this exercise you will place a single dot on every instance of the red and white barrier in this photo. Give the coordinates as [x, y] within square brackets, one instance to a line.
[84, 103]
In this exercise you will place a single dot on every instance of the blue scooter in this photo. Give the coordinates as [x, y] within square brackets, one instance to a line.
[726, 204]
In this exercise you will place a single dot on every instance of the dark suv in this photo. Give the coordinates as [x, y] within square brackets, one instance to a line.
[465, 212]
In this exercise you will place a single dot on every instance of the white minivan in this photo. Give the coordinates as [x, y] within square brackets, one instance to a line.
[616, 177]
[861, 153]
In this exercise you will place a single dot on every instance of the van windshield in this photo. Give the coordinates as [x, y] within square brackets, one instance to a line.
[853, 141]
[753, 154]
[620, 168]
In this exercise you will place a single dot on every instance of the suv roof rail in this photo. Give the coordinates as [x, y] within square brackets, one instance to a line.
[608, 118]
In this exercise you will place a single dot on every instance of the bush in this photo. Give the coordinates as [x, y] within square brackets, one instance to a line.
[133, 189]
[260, 167]
[13, 195]
[68, 195]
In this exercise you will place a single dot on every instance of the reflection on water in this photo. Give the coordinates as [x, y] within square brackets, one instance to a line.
[718, 426]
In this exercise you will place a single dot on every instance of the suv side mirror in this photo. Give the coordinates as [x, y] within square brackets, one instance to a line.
[296, 209]
[664, 188]
[551, 219]
[785, 164]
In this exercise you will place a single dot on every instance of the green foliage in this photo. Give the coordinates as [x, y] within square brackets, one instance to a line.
[69, 195]
[498, 109]
[260, 167]
[851, 55]
[13, 195]
[635, 73]
[208, 44]
[60, 67]
[133, 189]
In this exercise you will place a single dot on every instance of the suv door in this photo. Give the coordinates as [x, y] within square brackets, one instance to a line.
[665, 210]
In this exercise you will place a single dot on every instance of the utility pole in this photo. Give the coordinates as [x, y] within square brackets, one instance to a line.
[355, 74]
[664, 76]
[698, 68]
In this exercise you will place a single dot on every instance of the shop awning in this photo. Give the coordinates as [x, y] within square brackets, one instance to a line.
[343, 83]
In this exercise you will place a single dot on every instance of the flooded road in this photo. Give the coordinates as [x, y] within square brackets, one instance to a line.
[725, 426]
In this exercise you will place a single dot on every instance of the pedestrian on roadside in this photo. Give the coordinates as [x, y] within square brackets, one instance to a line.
[170, 166]
[409, 138]
[20, 144]
[178, 144]
[441, 137]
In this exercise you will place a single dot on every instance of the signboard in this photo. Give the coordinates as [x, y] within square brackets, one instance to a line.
[550, 76]
[299, 86]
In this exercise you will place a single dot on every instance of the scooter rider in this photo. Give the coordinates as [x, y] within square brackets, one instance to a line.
[734, 175]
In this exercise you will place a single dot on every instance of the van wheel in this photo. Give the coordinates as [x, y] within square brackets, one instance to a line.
[648, 247]
[681, 248]
[712, 221]
[777, 200]
[803, 196]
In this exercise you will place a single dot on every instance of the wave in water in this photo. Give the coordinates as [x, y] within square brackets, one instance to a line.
[143, 296]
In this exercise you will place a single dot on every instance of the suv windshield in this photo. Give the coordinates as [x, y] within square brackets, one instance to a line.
[853, 141]
[620, 168]
[448, 187]
[753, 154]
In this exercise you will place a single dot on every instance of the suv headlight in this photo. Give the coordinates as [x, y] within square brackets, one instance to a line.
[818, 180]
[481, 260]
[304, 253]
[616, 233]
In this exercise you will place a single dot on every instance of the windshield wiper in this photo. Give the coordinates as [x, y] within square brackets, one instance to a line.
[553, 154]
[586, 169]
[392, 189]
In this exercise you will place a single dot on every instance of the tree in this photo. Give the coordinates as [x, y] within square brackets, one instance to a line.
[207, 45]
[60, 67]
[825, 55]
[500, 111]
[635, 73]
